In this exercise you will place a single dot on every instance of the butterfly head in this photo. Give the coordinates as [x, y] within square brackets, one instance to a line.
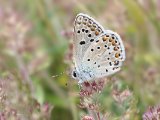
[83, 75]
[79, 76]
[75, 75]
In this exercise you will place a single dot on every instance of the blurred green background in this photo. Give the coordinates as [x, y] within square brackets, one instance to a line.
[36, 41]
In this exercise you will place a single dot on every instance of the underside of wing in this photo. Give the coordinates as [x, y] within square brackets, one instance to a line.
[105, 56]
[86, 30]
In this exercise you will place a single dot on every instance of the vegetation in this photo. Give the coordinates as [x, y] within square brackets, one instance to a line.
[36, 44]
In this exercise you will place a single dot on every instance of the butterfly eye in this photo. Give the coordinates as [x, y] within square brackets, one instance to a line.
[74, 74]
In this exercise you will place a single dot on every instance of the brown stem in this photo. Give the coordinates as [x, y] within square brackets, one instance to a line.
[98, 115]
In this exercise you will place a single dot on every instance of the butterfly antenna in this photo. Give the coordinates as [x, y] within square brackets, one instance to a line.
[54, 76]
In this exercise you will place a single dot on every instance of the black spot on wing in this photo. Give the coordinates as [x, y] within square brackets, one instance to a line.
[98, 47]
[91, 40]
[83, 30]
[89, 35]
[82, 42]
[78, 31]
[86, 31]
[105, 46]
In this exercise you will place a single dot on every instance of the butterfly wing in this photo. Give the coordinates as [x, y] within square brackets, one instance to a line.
[86, 30]
[105, 55]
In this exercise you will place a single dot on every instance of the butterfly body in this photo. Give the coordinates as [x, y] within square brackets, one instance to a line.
[97, 52]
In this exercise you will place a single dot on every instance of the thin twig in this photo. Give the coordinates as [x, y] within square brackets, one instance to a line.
[98, 115]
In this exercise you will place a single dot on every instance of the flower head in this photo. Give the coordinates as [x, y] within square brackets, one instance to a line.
[120, 97]
[89, 88]
[86, 117]
[153, 113]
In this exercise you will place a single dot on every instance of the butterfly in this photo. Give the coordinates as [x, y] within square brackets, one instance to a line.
[97, 52]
